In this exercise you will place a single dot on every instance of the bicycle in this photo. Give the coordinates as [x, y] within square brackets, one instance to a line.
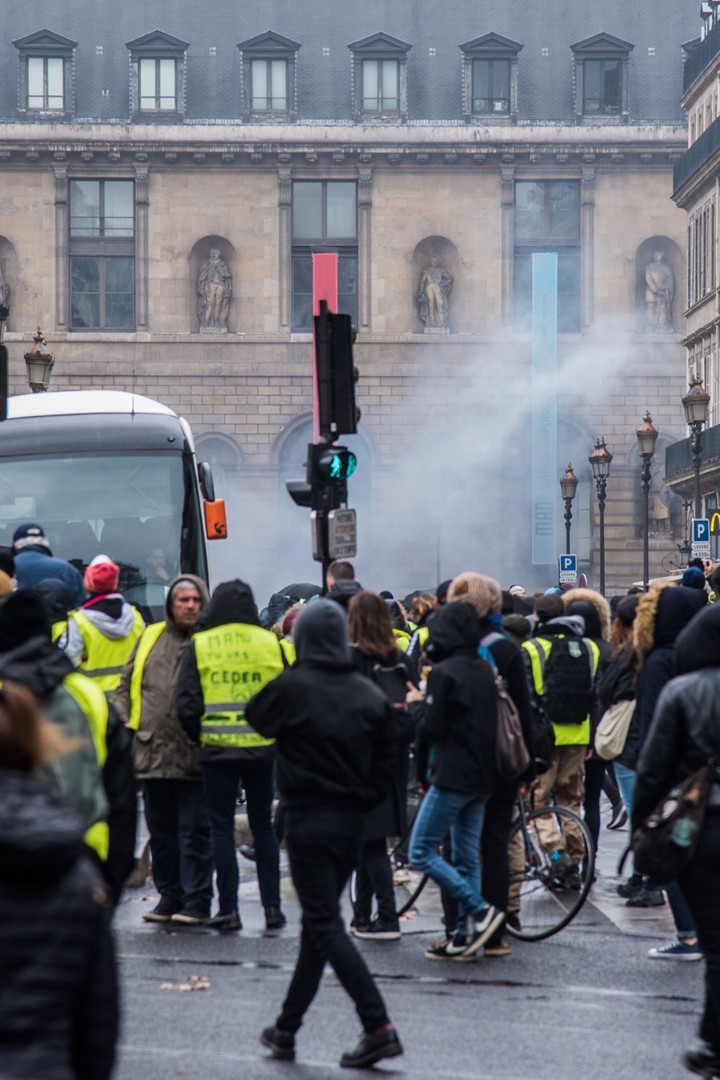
[545, 892]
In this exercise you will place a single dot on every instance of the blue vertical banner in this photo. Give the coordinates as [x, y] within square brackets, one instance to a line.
[544, 407]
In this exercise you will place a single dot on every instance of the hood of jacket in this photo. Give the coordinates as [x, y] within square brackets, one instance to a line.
[453, 630]
[232, 602]
[698, 645]
[37, 664]
[517, 624]
[22, 616]
[662, 613]
[201, 587]
[343, 591]
[562, 624]
[111, 615]
[594, 609]
[40, 837]
[320, 635]
[57, 596]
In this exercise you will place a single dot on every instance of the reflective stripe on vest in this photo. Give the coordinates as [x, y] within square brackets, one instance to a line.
[57, 631]
[106, 657]
[93, 703]
[148, 638]
[538, 650]
[234, 661]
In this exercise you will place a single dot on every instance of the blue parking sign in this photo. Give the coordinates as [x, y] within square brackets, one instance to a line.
[700, 530]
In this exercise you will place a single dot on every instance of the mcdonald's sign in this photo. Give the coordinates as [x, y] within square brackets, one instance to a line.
[715, 524]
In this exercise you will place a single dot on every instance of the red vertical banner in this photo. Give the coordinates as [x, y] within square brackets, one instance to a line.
[325, 287]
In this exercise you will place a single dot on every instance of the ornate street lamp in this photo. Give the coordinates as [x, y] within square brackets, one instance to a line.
[568, 487]
[600, 461]
[646, 437]
[696, 404]
[39, 363]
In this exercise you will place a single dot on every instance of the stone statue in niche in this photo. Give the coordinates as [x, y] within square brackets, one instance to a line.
[433, 296]
[214, 290]
[4, 291]
[659, 293]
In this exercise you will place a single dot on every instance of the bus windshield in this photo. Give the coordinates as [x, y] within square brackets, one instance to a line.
[140, 509]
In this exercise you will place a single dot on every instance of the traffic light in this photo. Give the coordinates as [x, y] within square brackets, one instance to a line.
[336, 373]
[329, 463]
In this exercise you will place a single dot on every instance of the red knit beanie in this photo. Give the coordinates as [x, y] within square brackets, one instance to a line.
[102, 576]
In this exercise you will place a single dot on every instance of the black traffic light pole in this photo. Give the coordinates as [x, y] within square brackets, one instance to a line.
[328, 465]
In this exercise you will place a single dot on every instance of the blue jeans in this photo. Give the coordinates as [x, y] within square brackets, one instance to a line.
[221, 779]
[462, 815]
[626, 782]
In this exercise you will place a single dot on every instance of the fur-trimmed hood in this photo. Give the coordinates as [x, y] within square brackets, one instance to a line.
[598, 602]
[661, 617]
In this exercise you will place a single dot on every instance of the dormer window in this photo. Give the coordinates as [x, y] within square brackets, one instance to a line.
[490, 77]
[601, 77]
[379, 77]
[269, 77]
[157, 74]
[45, 73]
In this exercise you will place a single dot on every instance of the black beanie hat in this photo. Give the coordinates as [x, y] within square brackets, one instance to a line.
[22, 616]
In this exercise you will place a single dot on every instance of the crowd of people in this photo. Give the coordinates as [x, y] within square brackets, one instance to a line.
[322, 711]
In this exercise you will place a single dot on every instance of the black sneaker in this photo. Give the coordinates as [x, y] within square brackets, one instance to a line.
[481, 928]
[274, 918]
[619, 817]
[359, 923]
[630, 887]
[437, 950]
[247, 851]
[228, 921]
[702, 1059]
[512, 919]
[282, 1043]
[162, 913]
[190, 917]
[371, 1048]
[646, 898]
[377, 930]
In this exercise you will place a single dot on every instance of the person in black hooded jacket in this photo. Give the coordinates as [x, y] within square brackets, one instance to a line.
[337, 749]
[58, 986]
[458, 721]
[99, 791]
[221, 670]
[685, 735]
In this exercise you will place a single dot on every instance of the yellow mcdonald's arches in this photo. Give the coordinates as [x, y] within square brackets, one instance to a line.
[715, 523]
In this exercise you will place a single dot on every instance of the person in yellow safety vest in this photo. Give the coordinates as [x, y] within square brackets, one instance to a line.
[227, 663]
[400, 625]
[101, 634]
[572, 740]
[96, 777]
[167, 763]
[423, 606]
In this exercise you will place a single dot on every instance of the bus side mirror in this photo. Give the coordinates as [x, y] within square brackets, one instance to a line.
[215, 520]
[207, 484]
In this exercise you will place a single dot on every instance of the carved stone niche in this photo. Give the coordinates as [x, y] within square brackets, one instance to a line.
[659, 285]
[199, 256]
[10, 292]
[434, 298]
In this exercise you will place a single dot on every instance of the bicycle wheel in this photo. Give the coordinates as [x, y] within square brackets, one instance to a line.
[551, 887]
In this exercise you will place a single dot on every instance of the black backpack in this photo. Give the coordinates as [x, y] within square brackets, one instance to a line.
[568, 676]
[392, 680]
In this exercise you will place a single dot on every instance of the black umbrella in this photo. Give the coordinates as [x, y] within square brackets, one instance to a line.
[301, 590]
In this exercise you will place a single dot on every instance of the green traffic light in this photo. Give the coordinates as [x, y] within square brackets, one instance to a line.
[343, 464]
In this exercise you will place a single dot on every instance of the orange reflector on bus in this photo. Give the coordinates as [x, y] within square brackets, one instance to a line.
[215, 520]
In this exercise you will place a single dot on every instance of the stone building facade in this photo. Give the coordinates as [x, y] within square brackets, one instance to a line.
[133, 148]
[697, 175]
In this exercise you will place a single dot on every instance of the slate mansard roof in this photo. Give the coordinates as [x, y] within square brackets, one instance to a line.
[324, 29]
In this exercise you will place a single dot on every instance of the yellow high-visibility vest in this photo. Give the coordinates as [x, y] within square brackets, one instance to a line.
[106, 657]
[234, 661]
[148, 638]
[94, 705]
[538, 650]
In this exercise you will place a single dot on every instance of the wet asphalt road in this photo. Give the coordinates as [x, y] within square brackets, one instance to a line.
[586, 1004]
